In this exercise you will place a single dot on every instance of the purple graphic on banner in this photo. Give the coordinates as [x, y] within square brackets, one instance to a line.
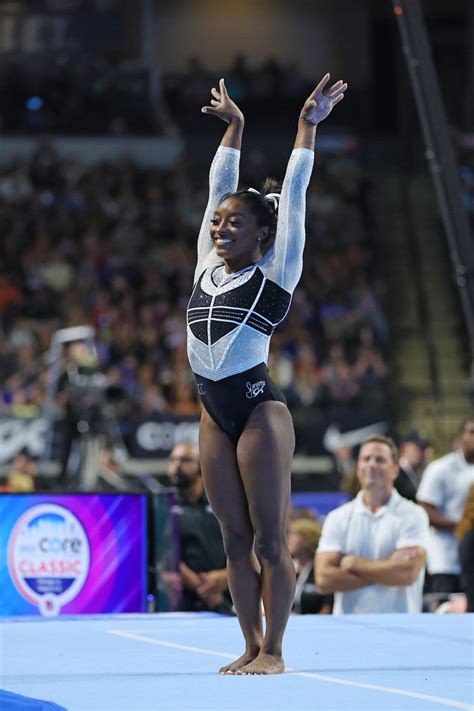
[72, 554]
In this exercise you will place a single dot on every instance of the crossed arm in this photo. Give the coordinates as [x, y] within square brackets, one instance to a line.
[437, 519]
[208, 586]
[336, 572]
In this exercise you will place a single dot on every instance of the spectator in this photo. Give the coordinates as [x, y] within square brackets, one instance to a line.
[346, 466]
[338, 377]
[10, 298]
[22, 477]
[413, 451]
[308, 375]
[297, 512]
[465, 536]
[110, 477]
[372, 549]
[369, 366]
[303, 539]
[77, 396]
[203, 560]
[442, 493]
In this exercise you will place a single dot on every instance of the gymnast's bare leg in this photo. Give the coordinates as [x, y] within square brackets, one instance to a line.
[264, 454]
[249, 491]
[227, 497]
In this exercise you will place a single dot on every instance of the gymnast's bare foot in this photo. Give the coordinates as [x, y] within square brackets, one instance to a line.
[264, 664]
[234, 667]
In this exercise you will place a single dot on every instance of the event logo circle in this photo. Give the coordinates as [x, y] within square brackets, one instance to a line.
[48, 557]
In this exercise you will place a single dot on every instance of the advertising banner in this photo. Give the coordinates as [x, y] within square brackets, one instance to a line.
[153, 437]
[65, 554]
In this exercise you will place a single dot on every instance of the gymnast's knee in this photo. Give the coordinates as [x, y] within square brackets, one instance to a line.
[269, 547]
[237, 545]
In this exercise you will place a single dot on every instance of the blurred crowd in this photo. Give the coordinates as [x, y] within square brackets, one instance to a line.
[113, 245]
[72, 92]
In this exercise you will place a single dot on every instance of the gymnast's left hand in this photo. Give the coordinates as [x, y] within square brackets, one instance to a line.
[321, 101]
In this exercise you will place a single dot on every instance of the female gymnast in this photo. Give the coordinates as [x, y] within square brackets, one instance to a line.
[250, 250]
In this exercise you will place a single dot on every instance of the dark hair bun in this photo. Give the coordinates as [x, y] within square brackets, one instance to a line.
[271, 186]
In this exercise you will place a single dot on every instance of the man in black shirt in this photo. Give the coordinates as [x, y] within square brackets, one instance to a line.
[414, 450]
[203, 560]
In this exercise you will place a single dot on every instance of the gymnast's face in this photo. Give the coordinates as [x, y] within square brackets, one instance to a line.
[236, 234]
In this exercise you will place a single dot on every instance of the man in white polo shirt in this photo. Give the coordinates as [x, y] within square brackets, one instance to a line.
[372, 550]
[442, 494]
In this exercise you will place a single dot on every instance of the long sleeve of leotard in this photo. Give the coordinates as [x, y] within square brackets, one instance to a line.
[284, 262]
[223, 178]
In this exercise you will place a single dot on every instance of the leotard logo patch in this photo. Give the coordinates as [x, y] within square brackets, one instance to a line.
[254, 389]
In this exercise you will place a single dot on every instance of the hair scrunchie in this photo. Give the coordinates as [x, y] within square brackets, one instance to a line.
[274, 198]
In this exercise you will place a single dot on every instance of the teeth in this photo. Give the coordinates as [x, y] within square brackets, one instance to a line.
[223, 241]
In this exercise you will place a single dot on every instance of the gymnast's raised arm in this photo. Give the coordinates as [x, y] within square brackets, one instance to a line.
[224, 171]
[287, 257]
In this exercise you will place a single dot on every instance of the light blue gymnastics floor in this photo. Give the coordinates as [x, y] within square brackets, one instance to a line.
[168, 662]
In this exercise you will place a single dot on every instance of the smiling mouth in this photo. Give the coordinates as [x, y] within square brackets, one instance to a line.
[222, 242]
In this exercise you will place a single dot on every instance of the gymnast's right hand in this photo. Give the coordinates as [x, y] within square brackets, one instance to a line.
[222, 105]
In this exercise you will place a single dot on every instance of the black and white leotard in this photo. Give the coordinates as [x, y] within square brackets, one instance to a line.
[231, 317]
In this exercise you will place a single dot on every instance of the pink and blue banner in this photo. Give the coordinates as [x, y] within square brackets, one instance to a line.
[69, 554]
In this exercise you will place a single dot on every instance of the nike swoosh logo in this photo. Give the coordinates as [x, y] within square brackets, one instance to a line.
[333, 437]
